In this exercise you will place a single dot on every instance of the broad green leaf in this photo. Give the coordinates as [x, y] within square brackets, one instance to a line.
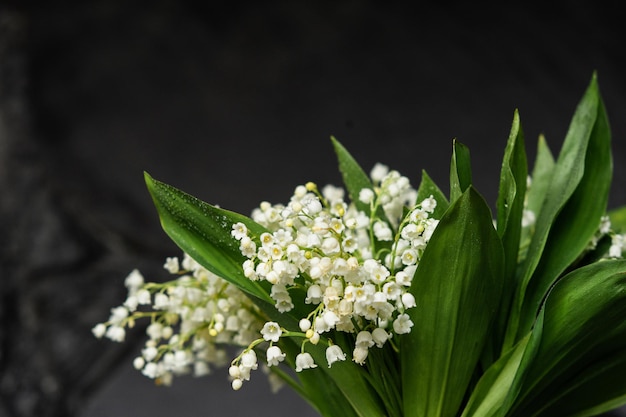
[204, 232]
[618, 219]
[427, 188]
[579, 219]
[510, 206]
[460, 170]
[457, 287]
[354, 178]
[581, 361]
[567, 175]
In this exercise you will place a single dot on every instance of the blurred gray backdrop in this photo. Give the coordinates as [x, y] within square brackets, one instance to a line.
[235, 102]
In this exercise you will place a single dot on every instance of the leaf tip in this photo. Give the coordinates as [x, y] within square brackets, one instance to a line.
[593, 83]
[151, 183]
[336, 144]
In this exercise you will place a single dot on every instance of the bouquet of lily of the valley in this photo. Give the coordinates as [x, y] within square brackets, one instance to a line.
[384, 299]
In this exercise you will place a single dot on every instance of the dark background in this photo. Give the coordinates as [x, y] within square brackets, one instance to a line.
[235, 102]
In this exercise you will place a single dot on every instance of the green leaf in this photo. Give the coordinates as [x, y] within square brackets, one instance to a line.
[457, 288]
[536, 194]
[460, 170]
[427, 188]
[596, 390]
[574, 174]
[579, 219]
[354, 178]
[493, 387]
[530, 352]
[541, 177]
[204, 232]
[510, 206]
[499, 384]
[510, 203]
[580, 366]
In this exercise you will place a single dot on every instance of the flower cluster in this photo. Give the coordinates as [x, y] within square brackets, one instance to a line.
[193, 319]
[355, 268]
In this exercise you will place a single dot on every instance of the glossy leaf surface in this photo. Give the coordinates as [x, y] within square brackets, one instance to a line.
[457, 288]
